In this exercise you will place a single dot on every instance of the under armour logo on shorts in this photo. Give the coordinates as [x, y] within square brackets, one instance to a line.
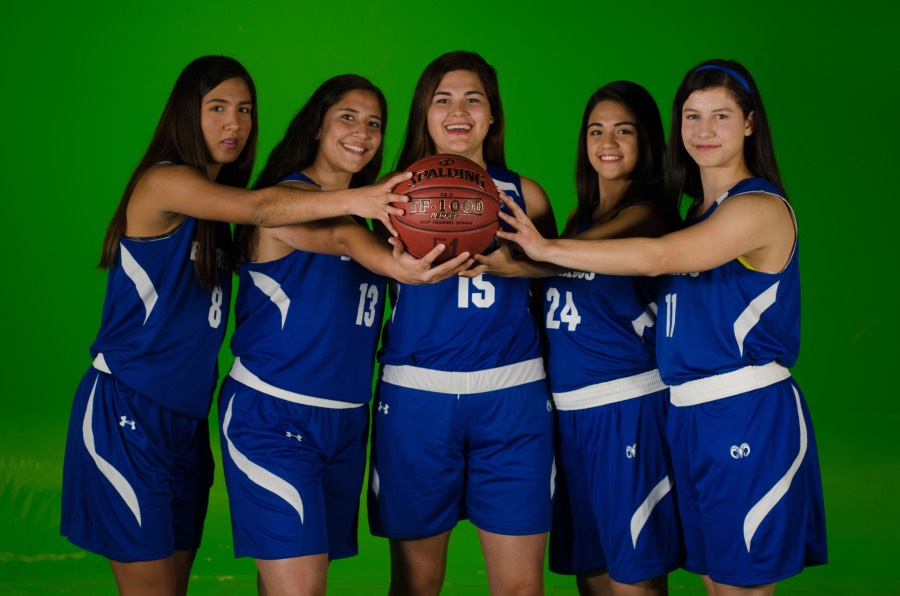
[297, 436]
[382, 407]
[123, 420]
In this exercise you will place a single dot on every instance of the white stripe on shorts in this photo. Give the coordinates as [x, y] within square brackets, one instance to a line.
[464, 383]
[122, 486]
[762, 508]
[258, 474]
[609, 392]
[727, 384]
[240, 374]
[640, 517]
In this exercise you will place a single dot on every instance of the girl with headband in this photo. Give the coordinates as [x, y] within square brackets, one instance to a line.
[743, 450]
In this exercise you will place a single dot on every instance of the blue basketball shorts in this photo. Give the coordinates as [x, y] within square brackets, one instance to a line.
[614, 508]
[438, 458]
[749, 488]
[136, 476]
[294, 473]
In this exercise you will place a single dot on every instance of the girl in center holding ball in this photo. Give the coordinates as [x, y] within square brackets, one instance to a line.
[292, 410]
[462, 424]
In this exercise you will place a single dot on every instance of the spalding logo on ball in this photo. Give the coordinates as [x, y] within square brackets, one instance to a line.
[452, 201]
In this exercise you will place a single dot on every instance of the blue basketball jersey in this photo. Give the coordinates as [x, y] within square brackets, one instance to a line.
[308, 323]
[463, 324]
[598, 328]
[730, 317]
[161, 331]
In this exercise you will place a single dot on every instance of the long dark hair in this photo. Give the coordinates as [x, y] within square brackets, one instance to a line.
[759, 154]
[417, 143]
[646, 181]
[299, 147]
[179, 138]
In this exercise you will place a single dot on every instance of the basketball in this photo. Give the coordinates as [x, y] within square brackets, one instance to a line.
[452, 201]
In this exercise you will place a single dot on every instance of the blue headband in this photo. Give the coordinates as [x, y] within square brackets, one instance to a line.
[739, 78]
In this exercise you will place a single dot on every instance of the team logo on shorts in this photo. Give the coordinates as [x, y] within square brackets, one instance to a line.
[741, 451]
[549, 406]
[383, 407]
[293, 436]
[631, 451]
[123, 420]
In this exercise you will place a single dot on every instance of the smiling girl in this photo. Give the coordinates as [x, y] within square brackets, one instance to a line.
[292, 410]
[744, 454]
[614, 521]
[138, 466]
[462, 420]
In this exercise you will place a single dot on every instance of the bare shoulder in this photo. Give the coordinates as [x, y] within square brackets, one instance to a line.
[148, 213]
[534, 196]
[761, 208]
[539, 209]
[531, 187]
[167, 173]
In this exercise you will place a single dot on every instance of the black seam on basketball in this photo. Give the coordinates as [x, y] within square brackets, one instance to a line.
[461, 189]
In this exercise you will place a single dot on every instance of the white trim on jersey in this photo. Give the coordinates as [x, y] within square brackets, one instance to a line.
[272, 289]
[609, 392]
[122, 486]
[506, 187]
[258, 474]
[464, 383]
[762, 508]
[141, 280]
[751, 315]
[240, 374]
[100, 364]
[727, 384]
[647, 319]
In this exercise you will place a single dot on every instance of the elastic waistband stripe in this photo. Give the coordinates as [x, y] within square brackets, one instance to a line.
[609, 392]
[464, 383]
[727, 384]
[240, 374]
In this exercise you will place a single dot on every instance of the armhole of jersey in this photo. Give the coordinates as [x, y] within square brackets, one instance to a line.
[790, 209]
[168, 234]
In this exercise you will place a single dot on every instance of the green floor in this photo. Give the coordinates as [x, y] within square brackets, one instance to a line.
[864, 542]
[216, 572]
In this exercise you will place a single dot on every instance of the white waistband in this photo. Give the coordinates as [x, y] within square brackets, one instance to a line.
[727, 384]
[609, 392]
[464, 383]
[242, 375]
[100, 364]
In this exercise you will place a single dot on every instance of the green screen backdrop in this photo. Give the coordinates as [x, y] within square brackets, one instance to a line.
[84, 85]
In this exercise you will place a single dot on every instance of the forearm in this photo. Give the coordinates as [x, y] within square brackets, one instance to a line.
[367, 249]
[521, 265]
[282, 205]
[626, 256]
